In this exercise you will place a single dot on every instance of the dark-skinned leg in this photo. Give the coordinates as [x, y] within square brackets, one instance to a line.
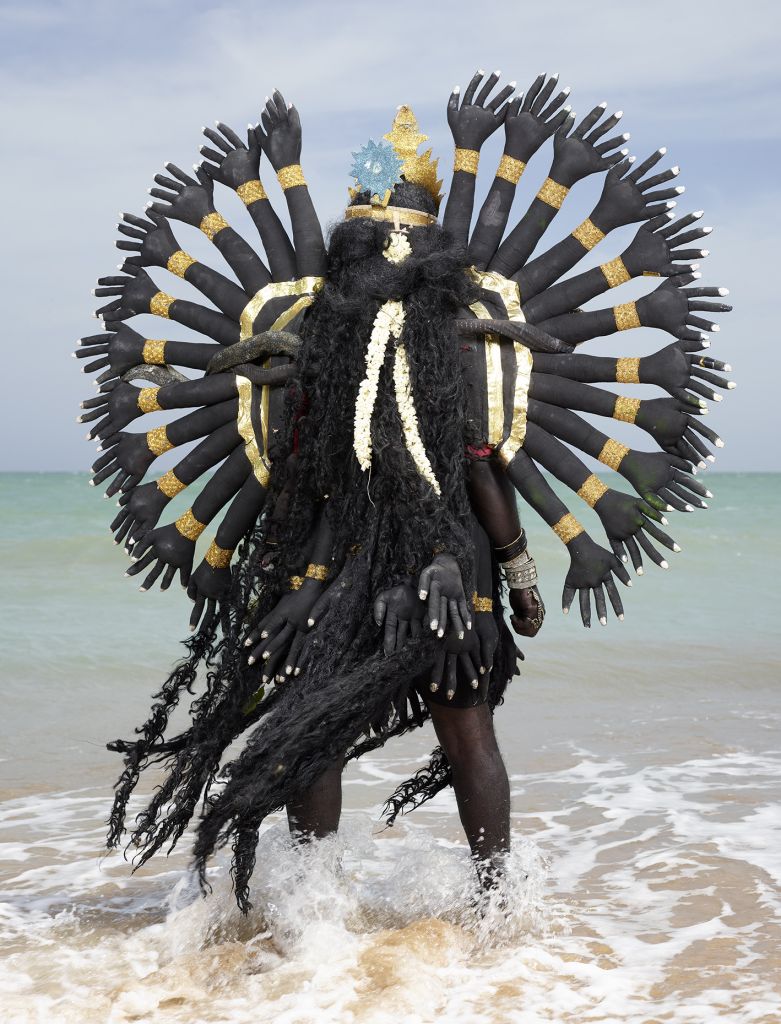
[315, 812]
[480, 782]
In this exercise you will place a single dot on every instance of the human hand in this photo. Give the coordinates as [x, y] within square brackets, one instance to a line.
[591, 569]
[578, 153]
[400, 611]
[473, 119]
[280, 134]
[233, 163]
[441, 585]
[531, 119]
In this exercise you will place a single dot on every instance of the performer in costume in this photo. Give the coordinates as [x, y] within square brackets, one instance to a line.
[371, 412]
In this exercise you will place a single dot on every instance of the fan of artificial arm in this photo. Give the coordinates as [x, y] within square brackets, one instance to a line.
[521, 339]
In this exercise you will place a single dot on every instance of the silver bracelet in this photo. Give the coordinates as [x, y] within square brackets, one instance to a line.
[520, 572]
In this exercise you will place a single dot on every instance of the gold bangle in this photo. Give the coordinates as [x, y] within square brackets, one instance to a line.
[510, 169]
[626, 409]
[147, 400]
[157, 441]
[316, 572]
[628, 371]
[466, 160]
[212, 224]
[613, 453]
[552, 193]
[295, 582]
[179, 262]
[567, 528]
[153, 352]
[289, 177]
[588, 234]
[251, 191]
[170, 484]
[626, 316]
[217, 557]
[615, 272]
[592, 489]
[160, 304]
[482, 604]
[189, 527]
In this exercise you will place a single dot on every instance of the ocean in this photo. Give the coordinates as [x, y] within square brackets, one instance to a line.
[645, 878]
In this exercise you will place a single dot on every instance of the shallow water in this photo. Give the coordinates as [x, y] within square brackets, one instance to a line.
[645, 882]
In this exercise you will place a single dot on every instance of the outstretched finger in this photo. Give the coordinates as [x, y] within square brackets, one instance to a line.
[615, 598]
[647, 164]
[607, 125]
[380, 609]
[168, 577]
[659, 535]
[601, 606]
[567, 597]
[468, 670]
[544, 95]
[584, 595]
[489, 83]
[389, 637]
[469, 92]
[149, 582]
[235, 140]
[433, 605]
[437, 671]
[532, 91]
[634, 554]
[141, 564]
[451, 674]
[500, 97]
[590, 120]
[456, 623]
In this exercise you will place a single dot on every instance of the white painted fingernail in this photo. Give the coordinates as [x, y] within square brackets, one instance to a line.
[456, 88]
[664, 521]
[676, 547]
[697, 214]
[711, 458]
[434, 623]
[688, 508]
[310, 622]
[460, 636]
[731, 385]
[662, 150]
[704, 252]
[719, 443]
[723, 291]
[621, 617]
[433, 687]
[680, 189]
[664, 565]
[675, 170]
[707, 231]
[718, 398]
[602, 620]
[250, 660]
[565, 610]
[670, 204]
[640, 571]
[422, 594]
[715, 328]
[440, 633]
[626, 136]
[566, 91]
[603, 104]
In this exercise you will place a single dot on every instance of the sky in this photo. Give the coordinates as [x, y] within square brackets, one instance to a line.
[100, 94]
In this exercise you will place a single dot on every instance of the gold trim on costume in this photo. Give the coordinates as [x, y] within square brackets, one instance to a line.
[626, 409]
[510, 169]
[170, 484]
[147, 400]
[275, 290]
[316, 572]
[592, 489]
[290, 176]
[626, 316]
[296, 582]
[615, 272]
[217, 557]
[507, 290]
[179, 262]
[251, 191]
[157, 441]
[588, 234]
[466, 160]
[212, 224]
[482, 604]
[396, 214]
[628, 370]
[552, 193]
[153, 352]
[613, 453]
[189, 527]
[493, 380]
[567, 528]
[160, 303]
[244, 425]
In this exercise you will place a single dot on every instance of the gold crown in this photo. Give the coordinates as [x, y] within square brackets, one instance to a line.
[405, 139]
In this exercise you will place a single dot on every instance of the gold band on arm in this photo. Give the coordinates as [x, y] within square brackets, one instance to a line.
[170, 484]
[482, 604]
[157, 441]
[615, 272]
[567, 528]
[217, 557]
[160, 304]
[626, 316]
[153, 352]
[251, 191]
[147, 400]
[510, 169]
[179, 262]
[466, 160]
[613, 453]
[316, 572]
[626, 409]
[588, 234]
[290, 176]
[628, 370]
[552, 193]
[189, 527]
[592, 489]
[295, 582]
[212, 224]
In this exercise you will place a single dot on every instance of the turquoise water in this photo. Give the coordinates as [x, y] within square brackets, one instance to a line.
[645, 768]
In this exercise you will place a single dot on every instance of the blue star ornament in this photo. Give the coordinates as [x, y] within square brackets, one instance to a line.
[376, 168]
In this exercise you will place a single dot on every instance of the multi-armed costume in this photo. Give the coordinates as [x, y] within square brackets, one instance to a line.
[363, 412]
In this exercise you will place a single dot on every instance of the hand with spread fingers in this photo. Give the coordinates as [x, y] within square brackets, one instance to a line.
[399, 612]
[183, 197]
[578, 152]
[441, 586]
[474, 118]
[233, 162]
[532, 119]
[279, 132]
[591, 574]
[458, 661]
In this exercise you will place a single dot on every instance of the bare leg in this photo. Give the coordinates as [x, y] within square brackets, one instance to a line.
[315, 812]
[480, 782]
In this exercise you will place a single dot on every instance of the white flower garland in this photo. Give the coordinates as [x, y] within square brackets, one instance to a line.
[409, 418]
[389, 320]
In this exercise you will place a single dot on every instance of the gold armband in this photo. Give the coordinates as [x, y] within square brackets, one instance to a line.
[510, 169]
[626, 316]
[592, 489]
[482, 604]
[147, 400]
[552, 193]
[251, 191]
[628, 371]
[295, 582]
[613, 453]
[212, 224]
[316, 572]
[189, 527]
[289, 177]
[157, 441]
[217, 557]
[588, 234]
[160, 304]
[179, 262]
[615, 272]
[153, 352]
[466, 160]
[626, 409]
[567, 528]
[170, 484]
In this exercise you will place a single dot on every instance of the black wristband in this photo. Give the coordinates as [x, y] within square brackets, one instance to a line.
[513, 549]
